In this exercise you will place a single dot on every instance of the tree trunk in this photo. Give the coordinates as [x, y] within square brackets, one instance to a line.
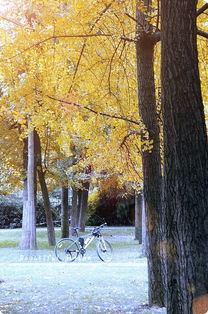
[25, 164]
[151, 161]
[138, 217]
[28, 240]
[44, 189]
[79, 202]
[83, 208]
[74, 222]
[64, 212]
[144, 229]
[185, 159]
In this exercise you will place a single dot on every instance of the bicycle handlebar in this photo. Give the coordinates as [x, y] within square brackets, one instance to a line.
[99, 227]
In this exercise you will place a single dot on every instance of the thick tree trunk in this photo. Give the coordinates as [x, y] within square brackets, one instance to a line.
[64, 212]
[138, 217]
[28, 240]
[185, 159]
[151, 161]
[83, 208]
[44, 189]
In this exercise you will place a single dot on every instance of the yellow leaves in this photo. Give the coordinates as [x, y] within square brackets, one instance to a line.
[97, 72]
[141, 6]
[19, 117]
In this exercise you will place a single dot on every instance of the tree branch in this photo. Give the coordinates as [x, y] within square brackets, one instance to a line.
[202, 9]
[85, 42]
[11, 21]
[202, 33]
[94, 111]
[123, 37]
[59, 36]
[131, 17]
[132, 132]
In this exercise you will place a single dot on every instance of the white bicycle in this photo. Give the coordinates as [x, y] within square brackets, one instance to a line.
[67, 250]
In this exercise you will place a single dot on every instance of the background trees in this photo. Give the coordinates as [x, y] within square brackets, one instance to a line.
[71, 68]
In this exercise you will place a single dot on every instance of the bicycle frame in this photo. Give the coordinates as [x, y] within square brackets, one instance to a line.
[89, 239]
[70, 248]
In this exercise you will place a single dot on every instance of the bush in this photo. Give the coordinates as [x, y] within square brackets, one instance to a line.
[11, 212]
[115, 211]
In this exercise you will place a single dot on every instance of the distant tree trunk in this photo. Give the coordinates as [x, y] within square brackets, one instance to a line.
[28, 240]
[44, 189]
[74, 208]
[79, 202]
[83, 207]
[25, 164]
[144, 229]
[151, 160]
[185, 159]
[138, 217]
[64, 212]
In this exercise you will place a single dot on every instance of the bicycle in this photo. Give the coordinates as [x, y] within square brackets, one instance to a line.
[67, 250]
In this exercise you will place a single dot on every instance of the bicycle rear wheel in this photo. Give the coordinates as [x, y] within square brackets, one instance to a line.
[104, 250]
[66, 250]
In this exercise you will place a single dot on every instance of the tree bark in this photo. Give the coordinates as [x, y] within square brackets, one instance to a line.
[185, 159]
[151, 161]
[138, 217]
[144, 229]
[64, 212]
[28, 240]
[79, 202]
[74, 209]
[73, 216]
[44, 189]
[83, 207]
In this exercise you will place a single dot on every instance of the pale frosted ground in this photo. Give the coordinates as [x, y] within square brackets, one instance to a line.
[34, 282]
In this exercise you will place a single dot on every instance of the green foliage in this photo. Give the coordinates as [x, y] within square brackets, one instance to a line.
[11, 211]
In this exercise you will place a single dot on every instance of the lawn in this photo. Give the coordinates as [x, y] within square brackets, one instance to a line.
[35, 282]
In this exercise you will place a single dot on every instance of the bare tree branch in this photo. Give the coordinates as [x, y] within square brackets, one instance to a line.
[85, 42]
[132, 132]
[131, 17]
[95, 112]
[202, 33]
[202, 9]
[59, 36]
[11, 21]
[123, 37]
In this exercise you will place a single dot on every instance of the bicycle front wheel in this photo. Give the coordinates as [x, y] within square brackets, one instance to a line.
[104, 250]
[66, 250]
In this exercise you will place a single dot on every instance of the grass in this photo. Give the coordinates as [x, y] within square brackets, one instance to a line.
[8, 244]
[33, 281]
[10, 238]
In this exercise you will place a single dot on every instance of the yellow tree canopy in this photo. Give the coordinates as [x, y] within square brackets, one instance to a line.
[64, 64]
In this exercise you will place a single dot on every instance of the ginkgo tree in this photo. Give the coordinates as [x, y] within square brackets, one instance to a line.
[69, 59]
[32, 75]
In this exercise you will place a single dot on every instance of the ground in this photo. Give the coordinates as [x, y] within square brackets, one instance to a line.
[35, 282]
